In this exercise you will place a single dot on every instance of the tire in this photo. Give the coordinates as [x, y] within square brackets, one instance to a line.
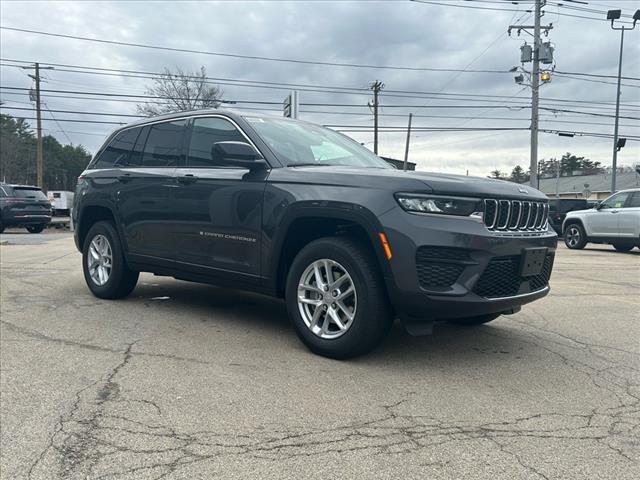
[373, 316]
[621, 247]
[35, 228]
[120, 281]
[575, 237]
[1, 226]
[473, 321]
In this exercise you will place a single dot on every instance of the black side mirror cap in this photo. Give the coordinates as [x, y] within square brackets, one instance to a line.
[238, 154]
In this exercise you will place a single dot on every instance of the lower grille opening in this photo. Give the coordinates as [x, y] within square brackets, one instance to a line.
[501, 278]
[440, 267]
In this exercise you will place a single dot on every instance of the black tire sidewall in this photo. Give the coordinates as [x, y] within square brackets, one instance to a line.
[622, 247]
[581, 243]
[371, 320]
[35, 228]
[119, 271]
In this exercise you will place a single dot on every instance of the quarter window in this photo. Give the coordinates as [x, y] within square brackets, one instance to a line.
[163, 147]
[204, 133]
[117, 152]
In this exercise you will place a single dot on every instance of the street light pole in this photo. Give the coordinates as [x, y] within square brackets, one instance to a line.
[615, 15]
[614, 164]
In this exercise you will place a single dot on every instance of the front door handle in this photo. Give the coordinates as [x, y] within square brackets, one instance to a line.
[615, 211]
[187, 179]
[125, 177]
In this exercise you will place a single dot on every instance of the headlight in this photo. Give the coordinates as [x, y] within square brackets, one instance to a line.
[439, 204]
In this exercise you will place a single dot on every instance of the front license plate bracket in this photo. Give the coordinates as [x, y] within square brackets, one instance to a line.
[532, 261]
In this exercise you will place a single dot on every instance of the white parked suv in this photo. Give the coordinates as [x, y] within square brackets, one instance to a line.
[615, 220]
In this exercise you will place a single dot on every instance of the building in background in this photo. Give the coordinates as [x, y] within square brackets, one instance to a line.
[399, 164]
[590, 187]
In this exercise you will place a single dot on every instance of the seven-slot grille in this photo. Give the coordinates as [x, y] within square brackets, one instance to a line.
[515, 215]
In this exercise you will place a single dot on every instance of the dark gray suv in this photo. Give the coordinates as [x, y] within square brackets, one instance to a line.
[294, 210]
[24, 206]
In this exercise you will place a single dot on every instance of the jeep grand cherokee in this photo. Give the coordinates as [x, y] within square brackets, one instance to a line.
[294, 210]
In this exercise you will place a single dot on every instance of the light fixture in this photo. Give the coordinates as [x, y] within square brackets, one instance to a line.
[614, 14]
[545, 76]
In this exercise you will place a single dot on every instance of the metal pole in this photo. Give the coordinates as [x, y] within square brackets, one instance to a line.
[375, 118]
[406, 148]
[39, 159]
[557, 178]
[535, 79]
[615, 129]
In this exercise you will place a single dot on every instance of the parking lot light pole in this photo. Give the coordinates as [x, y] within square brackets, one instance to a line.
[615, 15]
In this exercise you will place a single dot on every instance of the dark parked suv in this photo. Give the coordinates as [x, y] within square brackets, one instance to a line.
[24, 206]
[294, 210]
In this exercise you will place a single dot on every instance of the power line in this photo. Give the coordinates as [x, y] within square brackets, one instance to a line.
[245, 57]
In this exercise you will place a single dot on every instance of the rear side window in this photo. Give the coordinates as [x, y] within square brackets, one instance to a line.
[634, 201]
[33, 193]
[117, 153]
[204, 133]
[163, 147]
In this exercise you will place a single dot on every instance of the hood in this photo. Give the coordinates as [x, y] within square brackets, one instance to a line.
[412, 181]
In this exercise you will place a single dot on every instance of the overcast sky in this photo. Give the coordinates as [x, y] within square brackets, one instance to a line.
[396, 33]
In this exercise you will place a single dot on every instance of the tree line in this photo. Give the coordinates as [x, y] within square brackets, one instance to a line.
[62, 163]
[569, 164]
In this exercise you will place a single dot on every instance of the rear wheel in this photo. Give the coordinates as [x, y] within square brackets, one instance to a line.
[35, 228]
[336, 298]
[621, 247]
[575, 237]
[104, 266]
[1, 226]
[472, 321]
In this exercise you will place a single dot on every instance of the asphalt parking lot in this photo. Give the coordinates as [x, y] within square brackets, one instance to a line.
[186, 381]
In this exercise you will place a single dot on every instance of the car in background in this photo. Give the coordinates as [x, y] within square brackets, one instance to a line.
[24, 206]
[559, 207]
[615, 221]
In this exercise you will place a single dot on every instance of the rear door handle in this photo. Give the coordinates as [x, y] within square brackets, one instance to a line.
[187, 179]
[125, 177]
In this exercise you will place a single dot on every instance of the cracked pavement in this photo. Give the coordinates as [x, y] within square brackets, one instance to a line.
[187, 381]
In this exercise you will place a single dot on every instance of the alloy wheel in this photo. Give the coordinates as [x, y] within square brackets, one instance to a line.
[327, 299]
[100, 260]
[573, 236]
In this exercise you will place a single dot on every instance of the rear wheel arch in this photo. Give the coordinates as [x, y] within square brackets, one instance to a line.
[89, 216]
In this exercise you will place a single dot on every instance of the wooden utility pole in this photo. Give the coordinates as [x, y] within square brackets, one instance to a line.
[39, 159]
[39, 151]
[535, 89]
[376, 86]
[406, 148]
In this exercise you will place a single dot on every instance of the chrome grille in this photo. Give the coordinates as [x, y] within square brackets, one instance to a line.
[515, 215]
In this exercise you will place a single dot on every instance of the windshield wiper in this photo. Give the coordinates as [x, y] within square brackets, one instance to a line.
[312, 164]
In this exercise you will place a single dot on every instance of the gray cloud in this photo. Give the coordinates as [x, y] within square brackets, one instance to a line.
[384, 33]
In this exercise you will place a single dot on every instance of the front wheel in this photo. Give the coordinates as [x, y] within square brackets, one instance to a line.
[104, 266]
[473, 321]
[336, 298]
[622, 247]
[575, 237]
[35, 228]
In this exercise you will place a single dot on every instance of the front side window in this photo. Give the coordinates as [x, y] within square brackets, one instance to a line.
[117, 152]
[204, 133]
[301, 143]
[615, 201]
[164, 144]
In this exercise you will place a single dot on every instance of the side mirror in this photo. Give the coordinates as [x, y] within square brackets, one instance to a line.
[598, 205]
[238, 154]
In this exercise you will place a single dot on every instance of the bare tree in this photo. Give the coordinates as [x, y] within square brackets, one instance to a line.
[180, 91]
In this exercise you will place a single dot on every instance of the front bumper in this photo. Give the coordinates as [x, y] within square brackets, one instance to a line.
[446, 267]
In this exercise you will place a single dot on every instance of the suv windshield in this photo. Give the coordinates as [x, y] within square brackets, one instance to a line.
[300, 143]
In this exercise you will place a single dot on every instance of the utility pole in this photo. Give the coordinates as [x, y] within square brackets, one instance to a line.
[376, 86]
[39, 159]
[406, 148]
[539, 52]
[535, 98]
[39, 151]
